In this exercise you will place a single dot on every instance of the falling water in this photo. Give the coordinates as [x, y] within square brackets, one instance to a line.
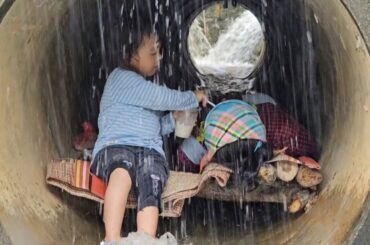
[55, 56]
[55, 59]
[227, 63]
[244, 40]
[201, 220]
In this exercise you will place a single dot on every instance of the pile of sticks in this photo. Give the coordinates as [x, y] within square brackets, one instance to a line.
[284, 179]
[286, 172]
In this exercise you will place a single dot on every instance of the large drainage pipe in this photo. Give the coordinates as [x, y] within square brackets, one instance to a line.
[36, 116]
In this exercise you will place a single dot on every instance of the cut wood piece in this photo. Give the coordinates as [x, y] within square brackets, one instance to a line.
[284, 157]
[263, 193]
[299, 201]
[307, 177]
[267, 174]
[309, 162]
[286, 171]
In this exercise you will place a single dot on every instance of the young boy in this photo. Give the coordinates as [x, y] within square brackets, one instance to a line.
[128, 152]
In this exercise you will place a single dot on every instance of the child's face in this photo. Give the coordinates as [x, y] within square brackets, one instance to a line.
[146, 59]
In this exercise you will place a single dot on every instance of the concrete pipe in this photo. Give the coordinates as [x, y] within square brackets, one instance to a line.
[39, 87]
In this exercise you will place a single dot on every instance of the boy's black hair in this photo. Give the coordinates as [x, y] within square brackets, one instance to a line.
[137, 26]
[241, 157]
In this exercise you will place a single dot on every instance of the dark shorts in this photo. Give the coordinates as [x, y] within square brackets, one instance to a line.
[147, 168]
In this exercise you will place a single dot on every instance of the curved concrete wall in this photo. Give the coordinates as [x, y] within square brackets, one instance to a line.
[36, 115]
[33, 129]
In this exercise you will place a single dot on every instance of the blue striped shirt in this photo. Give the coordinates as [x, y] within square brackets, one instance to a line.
[132, 111]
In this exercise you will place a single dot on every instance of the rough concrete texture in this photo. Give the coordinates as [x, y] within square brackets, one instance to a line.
[361, 234]
[360, 10]
[34, 128]
[4, 238]
[29, 71]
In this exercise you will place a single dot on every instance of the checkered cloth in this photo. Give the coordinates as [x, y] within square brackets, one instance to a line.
[284, 131]
[230, 121]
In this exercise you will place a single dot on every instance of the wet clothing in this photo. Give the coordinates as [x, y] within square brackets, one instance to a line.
[284, 131]
[132, 111]
[147, 168]
[131, 125]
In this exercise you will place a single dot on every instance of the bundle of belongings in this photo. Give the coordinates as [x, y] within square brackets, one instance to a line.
[280, 130]
[236, 137]
[261, 143]
[254, 143]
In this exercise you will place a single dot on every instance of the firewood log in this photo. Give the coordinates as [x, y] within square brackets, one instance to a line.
[307, 177]
[267, 174]
[286, 171]
[299, 201]
[278, 192]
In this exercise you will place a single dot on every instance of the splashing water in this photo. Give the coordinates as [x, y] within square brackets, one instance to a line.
[244, 40]
[232, 58]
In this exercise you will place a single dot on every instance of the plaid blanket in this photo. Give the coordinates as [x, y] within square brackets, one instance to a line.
[73, 176]
[284, 131]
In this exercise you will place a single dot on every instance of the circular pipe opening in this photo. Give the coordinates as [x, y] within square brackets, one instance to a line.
[212, 29]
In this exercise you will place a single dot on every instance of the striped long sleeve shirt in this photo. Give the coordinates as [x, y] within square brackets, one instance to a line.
[132, 111]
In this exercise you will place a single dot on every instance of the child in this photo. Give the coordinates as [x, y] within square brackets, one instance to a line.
[128, 152]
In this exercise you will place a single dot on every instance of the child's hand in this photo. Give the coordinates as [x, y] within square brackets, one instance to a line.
[202, 97]
[176, 114]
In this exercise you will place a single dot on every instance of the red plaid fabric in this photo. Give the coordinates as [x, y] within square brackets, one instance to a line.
[284, 131]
